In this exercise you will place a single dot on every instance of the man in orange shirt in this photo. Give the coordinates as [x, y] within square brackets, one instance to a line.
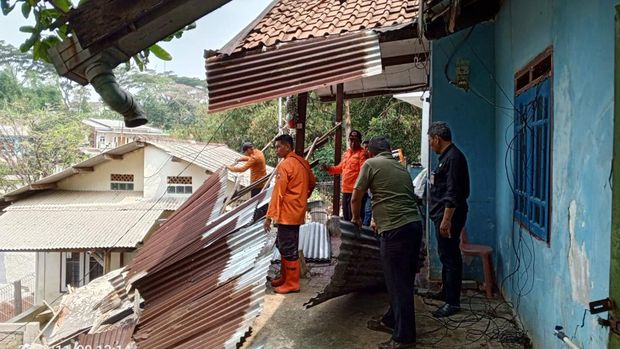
[255, 161]
[294, 184]
[349, 168]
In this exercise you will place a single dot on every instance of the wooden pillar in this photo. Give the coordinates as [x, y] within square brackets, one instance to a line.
[338, 146]
[300, 125]
[107, 262]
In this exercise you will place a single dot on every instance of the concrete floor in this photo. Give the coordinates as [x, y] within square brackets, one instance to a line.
[341, 322]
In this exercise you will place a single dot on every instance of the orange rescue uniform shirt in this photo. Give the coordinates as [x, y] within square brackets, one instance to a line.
[294, 183]
[255, 162]
[349, 168]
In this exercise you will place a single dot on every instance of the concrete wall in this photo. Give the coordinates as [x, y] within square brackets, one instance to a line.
[551, 283]
[158, 166]
[473, 130]
[99, 180]
[573, 269]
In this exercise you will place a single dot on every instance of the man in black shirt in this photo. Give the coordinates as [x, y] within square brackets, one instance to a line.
[448, 211]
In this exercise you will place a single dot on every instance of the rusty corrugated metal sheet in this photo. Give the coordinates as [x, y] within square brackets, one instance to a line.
[357, 267]
[291, 69]
[118, 337]
[202, 274]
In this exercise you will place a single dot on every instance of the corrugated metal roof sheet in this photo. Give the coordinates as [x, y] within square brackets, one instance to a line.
[70, 200]
[358, 264]
[46, 230]
[290, 20]
[291, 69]
[70, 220]
[118, 337]
[314, 240]
[202, 274]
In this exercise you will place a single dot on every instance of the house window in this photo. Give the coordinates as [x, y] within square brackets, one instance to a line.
[121, 181]
[532, 145]
[180, 185]
[79, 268]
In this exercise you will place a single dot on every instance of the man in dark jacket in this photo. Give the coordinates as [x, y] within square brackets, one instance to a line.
[448, 211]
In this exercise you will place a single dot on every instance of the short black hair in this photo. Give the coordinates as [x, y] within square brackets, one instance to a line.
[284, 138]
[365, 142]
[246, 146]
[379, 144]
[441, 130]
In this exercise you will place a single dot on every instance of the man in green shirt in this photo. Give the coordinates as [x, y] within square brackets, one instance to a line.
[399, 226]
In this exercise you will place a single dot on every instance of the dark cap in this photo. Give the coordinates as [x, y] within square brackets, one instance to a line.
[355, 134]
[246, 146]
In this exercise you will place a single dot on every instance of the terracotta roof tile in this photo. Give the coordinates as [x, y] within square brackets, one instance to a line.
[290, 20]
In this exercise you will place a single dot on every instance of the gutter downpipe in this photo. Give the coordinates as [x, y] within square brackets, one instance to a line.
[102, 78]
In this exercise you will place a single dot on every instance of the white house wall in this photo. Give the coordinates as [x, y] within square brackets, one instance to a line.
[99, 179]
[159, 165]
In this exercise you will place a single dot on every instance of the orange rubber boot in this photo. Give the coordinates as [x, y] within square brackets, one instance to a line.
[291, 284]
[280, 281]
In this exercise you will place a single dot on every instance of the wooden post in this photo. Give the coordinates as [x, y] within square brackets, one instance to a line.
[300, 125]
[107, 262]
[17, 297]
[338, 146]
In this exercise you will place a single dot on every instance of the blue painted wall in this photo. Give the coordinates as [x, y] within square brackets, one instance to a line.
[473, 130]
[551, 284]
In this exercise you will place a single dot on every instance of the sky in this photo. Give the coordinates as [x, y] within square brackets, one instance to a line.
[213, 31]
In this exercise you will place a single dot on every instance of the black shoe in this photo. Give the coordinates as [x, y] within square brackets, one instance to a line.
[446, 310]
[392, 344]
[376, 324]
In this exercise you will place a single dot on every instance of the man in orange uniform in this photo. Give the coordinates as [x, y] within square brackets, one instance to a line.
[255, 161]
[349, 168]
[294, 183]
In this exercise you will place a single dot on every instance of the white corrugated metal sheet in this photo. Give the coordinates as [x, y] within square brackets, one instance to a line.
[69, 220]
[314, 241]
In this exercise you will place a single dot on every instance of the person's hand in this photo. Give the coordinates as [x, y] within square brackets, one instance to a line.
[357, 221]
[373, 226]
[445, 227]
[267, 225]
[228, 167]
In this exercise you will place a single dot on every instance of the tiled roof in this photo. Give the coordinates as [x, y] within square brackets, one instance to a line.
[290, 20]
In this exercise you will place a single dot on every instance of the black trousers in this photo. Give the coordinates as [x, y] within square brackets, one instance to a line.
[399, 254]
[451, 259]
[346, 206]
[288, 241]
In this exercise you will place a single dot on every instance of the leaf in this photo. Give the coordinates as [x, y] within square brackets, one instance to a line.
[27, 29]
[28, 44]
[160, 53]
[36, 50]
[26, 8]
[63, 5]
[6, 8]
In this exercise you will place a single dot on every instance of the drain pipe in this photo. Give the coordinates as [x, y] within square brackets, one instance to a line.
[102, 78]
[562, 336]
